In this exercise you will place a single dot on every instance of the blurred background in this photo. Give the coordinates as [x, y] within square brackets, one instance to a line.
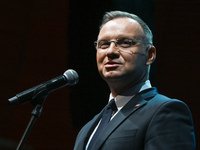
[41, 39]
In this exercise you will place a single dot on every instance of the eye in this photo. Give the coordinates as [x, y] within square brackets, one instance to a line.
[125, 43]
[103, 44]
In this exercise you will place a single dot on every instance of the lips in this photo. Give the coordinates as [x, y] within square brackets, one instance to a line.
[110, 64]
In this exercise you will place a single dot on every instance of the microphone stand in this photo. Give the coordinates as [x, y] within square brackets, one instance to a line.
[37, 101]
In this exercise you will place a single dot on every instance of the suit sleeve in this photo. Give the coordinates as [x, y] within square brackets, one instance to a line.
[171, 128]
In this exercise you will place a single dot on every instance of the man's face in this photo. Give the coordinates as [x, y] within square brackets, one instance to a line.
[125, 65]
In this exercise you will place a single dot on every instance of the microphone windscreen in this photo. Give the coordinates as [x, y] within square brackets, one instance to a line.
[71, 76]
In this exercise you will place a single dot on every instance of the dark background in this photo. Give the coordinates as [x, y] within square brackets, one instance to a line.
[41, 39]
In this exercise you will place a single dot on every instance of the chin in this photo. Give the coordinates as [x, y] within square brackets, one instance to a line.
[112, 76]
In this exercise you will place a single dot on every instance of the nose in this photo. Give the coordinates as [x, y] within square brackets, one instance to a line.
[112, 50]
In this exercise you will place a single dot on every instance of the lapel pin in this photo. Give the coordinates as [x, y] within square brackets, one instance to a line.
[137, 105]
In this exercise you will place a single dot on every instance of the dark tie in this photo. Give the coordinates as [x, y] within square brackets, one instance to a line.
[109, 109]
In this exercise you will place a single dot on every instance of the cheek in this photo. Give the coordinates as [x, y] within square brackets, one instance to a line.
[134, 62]
[100, 56]
[99, 59]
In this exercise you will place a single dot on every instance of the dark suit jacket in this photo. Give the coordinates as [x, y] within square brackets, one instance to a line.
[149, 121]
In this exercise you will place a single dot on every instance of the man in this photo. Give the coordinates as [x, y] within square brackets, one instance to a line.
[144, 119]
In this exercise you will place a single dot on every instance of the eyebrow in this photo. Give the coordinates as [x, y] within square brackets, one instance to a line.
[138, 38]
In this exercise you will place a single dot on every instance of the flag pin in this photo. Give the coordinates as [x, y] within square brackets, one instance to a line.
[137, 105]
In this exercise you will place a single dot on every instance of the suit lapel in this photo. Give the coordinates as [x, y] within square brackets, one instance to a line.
[135, 103]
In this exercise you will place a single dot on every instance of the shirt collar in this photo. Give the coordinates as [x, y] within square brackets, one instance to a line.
[127, 95]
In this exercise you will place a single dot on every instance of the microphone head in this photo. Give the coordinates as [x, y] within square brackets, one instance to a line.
[71, 76]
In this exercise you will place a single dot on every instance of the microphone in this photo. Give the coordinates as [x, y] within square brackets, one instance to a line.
[70, 77]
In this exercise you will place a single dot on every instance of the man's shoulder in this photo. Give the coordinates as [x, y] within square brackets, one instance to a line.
[161, 99]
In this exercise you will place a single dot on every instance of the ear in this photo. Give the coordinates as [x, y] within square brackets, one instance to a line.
[151, 53]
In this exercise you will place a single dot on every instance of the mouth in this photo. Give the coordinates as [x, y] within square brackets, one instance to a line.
[111, 64]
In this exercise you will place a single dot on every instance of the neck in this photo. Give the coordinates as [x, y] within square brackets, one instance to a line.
[117, 88]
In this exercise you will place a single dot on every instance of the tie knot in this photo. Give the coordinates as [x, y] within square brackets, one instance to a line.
[112, 105]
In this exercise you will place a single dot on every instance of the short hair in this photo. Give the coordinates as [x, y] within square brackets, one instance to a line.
[120, 14]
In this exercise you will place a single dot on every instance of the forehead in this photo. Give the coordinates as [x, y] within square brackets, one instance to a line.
[121, 27]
